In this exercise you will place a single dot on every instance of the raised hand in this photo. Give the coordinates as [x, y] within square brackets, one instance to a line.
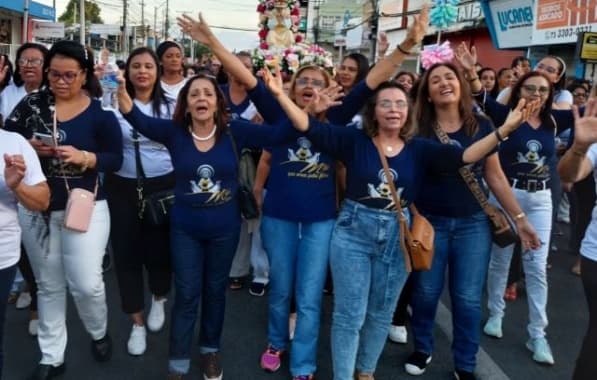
[14, 170]
[3, 68]
[125, 103]
[273, 82]
[467, 58]
[520, 114]
[325, 99]
[382, 44]
[198, 30]
[585, 127]
[418, 28]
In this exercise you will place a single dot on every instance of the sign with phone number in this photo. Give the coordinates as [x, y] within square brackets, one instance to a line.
[560, 21]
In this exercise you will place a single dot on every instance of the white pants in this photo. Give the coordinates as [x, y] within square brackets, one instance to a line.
[250, 251]
[62, 258]
[538, 208]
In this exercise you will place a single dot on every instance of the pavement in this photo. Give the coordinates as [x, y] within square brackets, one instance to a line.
[244, 339]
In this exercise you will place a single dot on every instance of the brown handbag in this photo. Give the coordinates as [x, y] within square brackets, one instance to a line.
[417, 243]
[502, 229]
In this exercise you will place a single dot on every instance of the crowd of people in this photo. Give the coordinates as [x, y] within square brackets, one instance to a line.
[319, 141]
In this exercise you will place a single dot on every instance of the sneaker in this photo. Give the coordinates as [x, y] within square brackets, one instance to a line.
[460, 374]
[417, 363]
[102, 348]
[270, 359]
[493, 327]
[157, 315]
[23, 301]
[47, 371]
[541, 350]
[303, 377]
[235, 283]
[137, 344]
[210, 363]
[175, 376]
[257, 289]
[398, 334]
[32, 328]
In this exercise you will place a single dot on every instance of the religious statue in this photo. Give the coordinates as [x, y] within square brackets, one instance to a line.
[279, 23]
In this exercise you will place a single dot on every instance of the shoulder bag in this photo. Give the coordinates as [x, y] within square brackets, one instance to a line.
[154, 208]
[416, 243]
[502, 229]
[246, 176]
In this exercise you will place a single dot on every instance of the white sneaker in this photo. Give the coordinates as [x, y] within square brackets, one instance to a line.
[493, 327]
[23, 301]
[157, 316]
[398, 334]
[33, 323]
[541, 351]
[136, 344]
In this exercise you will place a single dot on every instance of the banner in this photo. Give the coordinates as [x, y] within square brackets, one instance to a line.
[48, 29]
[560, 21]
[512, 22]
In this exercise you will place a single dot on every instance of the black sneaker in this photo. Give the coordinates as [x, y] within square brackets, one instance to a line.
[47, 372]
[417, 363]
[460, 374]
[102, 348]
[257, 289]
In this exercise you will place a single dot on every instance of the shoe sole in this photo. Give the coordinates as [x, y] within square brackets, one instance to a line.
[257, 294]
[414, 370]
[214, 378]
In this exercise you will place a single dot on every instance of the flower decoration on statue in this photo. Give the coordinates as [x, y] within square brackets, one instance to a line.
[278, 23]
[444, 13]
[292, 58]
[436, 53]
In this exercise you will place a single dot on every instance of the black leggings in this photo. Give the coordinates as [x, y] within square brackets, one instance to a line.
[582, 197]
[586, 365]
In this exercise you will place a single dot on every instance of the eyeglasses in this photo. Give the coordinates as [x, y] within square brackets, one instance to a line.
[68, 76]
[303, 82]
[33, 62]
[531, 89]
[579, 94]
[549, 69]
[387, 104]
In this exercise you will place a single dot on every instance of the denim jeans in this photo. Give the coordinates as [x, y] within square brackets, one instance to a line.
[369, 273]
[201, 267]
[463, 245]
[65, 259]
[298, 254]
[7, 276]
[538, 208]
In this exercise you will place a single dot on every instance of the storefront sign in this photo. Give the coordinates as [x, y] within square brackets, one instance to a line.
[511, 22]
[588, 46]
[560, 21]
[48, 29]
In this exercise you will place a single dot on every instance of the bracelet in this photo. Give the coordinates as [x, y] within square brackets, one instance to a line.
[473, 79]
[401, 50]
[498, 136]
[85, 160]
[519, 216]
[578, 153]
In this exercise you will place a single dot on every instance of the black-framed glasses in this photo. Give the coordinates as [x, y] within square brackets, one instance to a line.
[531, 88]
[67, 76]
[579, 94]
[33, 62]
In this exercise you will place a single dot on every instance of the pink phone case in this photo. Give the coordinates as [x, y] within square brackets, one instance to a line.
[79, 209]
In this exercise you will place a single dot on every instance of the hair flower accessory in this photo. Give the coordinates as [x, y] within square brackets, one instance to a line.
[433, 54]
[444, 13]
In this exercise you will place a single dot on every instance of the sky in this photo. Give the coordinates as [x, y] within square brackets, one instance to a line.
[226, 13]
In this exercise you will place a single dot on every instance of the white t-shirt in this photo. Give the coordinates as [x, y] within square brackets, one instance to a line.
[9, 98]
[588, 247]
[155, 157]
[10, 231]
[172, 90]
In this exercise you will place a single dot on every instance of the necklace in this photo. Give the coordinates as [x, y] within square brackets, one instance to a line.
[208, 137]
[389, 148]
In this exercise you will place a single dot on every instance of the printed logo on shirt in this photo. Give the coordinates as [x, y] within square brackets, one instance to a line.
[382, 191]
[308, 160]
[533, 157]
[206, 185]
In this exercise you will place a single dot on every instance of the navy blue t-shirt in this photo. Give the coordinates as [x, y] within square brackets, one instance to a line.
[236, 110]
[529, 153]
[94, 130]
[446, 193]
[207, 182]
[366, 181]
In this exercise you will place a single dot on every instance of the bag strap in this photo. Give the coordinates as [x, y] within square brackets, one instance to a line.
[403, 231]
[54, 137]
[469, 178]
[236, 153]
[139, 172]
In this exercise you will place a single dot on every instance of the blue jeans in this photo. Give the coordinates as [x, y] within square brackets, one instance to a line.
[201, 267]
[463, 245]
[7, 276]
[298, 254]
[369, 273]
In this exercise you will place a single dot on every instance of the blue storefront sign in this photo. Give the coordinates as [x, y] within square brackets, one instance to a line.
[36, 10]
[510, 22]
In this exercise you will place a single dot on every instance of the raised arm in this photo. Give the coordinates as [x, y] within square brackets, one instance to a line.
[468, 59]
[575, 165]
[385, 68]
[298, 117]
[199, 30]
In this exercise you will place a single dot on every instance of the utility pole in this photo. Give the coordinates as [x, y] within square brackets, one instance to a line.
[25, 20]
[373, 24]
[143, 21]
[167, 22]
[82, 21]
[155, 27]
[125, 32]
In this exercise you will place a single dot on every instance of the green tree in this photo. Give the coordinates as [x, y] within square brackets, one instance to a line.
[92, 13]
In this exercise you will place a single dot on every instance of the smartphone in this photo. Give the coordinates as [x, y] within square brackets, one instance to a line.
[47, 139]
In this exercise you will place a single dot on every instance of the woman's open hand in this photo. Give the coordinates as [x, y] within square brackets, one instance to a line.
[273, 82]
[467, 58]
[199, 30]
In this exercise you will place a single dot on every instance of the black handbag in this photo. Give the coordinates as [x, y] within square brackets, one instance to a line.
[246, 199]
[154, 208]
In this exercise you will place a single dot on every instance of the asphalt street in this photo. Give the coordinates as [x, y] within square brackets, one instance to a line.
[245, 338]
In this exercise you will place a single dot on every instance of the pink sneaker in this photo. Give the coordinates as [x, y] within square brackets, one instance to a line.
[270, 359]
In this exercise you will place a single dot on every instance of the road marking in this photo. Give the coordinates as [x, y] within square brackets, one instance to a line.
[486, 369]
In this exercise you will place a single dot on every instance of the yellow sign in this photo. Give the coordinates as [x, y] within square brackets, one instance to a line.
[588, 47]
